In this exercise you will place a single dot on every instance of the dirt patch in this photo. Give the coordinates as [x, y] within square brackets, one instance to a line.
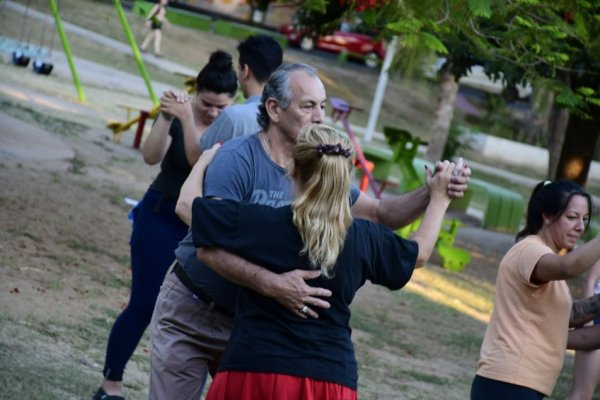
[64, 254]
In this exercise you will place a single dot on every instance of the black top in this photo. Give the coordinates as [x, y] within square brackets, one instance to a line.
[266, 336]
[174, 168]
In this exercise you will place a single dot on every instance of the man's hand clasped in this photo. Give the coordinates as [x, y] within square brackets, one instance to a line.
[460, 177]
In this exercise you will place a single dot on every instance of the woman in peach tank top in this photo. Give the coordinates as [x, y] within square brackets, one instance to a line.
[524, 344]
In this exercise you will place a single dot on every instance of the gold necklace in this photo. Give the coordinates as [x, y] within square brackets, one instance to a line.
[265, 144]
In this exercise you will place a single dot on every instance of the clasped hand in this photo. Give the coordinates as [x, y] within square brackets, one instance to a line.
[177, 104]
[458, 184]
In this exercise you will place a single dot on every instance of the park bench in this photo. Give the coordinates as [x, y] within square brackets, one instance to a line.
[503, 208]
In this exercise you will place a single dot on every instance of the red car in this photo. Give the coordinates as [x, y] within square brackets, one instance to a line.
[356, 44]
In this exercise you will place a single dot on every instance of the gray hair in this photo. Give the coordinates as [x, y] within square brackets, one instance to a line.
[278, 88]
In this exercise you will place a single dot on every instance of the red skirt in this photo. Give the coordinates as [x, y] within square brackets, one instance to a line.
[233, 385]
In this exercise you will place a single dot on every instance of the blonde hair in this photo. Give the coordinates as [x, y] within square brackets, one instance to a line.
[322, 167]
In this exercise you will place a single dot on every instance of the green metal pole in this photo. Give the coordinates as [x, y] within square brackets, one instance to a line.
[136, 51]
[65, 43]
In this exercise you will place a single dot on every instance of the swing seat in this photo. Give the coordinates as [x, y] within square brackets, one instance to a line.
[42, 68]
[19, 58]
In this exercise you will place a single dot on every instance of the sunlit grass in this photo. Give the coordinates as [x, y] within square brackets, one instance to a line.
[444, 289]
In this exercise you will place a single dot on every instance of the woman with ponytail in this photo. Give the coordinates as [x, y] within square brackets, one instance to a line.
[525, 341]
[157, 230]
[272, 353]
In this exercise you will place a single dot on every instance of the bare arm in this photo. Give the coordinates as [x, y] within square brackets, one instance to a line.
[584, 310]
[179, 105]
[401, 210]
[588, 308]
[427, 233]
[289, 289]
[591, 278]
[587, 338]
[153, 12]
[393, 211]
[552, 267]
[192, 187]
[157, 143]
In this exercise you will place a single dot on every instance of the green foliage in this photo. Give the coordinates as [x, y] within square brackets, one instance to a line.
[432, 43]
[456, 142]
[318, 6]
[480, 8]
[319, 17]
[406, 26]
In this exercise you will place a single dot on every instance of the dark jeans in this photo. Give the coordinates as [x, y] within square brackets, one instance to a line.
[490, 389]
[157, 231]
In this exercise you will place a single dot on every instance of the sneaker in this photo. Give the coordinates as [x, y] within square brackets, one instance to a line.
[102, 395]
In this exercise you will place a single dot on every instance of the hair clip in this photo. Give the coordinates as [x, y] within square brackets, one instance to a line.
[547, 182]
[334, 149]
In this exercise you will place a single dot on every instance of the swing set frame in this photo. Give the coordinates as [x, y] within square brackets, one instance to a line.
[19, 58]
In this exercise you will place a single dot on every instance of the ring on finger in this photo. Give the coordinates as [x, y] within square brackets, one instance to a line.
[303, 310]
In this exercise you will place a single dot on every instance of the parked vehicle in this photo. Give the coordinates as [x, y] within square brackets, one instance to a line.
[359, 45]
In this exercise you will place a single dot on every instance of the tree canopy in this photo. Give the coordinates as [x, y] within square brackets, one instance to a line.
[553, 44]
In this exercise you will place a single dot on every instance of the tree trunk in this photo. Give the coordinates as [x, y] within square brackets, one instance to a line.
[443, 116]
[557, 128]
[538, 117]
[581, 136]
[578, 148]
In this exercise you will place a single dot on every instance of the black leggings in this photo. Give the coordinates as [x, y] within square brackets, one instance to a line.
[490, 389]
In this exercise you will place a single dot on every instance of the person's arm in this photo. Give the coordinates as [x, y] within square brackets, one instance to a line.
[179, 105]
[587, 338]
[584, 310]
[591, 278]
[394, 211]
[401, 210]
[158, 141]
[552, 267]
[153, 11]
[289, 289]
[192, 187]
[429, 229]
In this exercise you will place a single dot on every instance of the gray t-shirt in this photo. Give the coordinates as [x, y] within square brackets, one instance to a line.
[241, 171]
[234, 121]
